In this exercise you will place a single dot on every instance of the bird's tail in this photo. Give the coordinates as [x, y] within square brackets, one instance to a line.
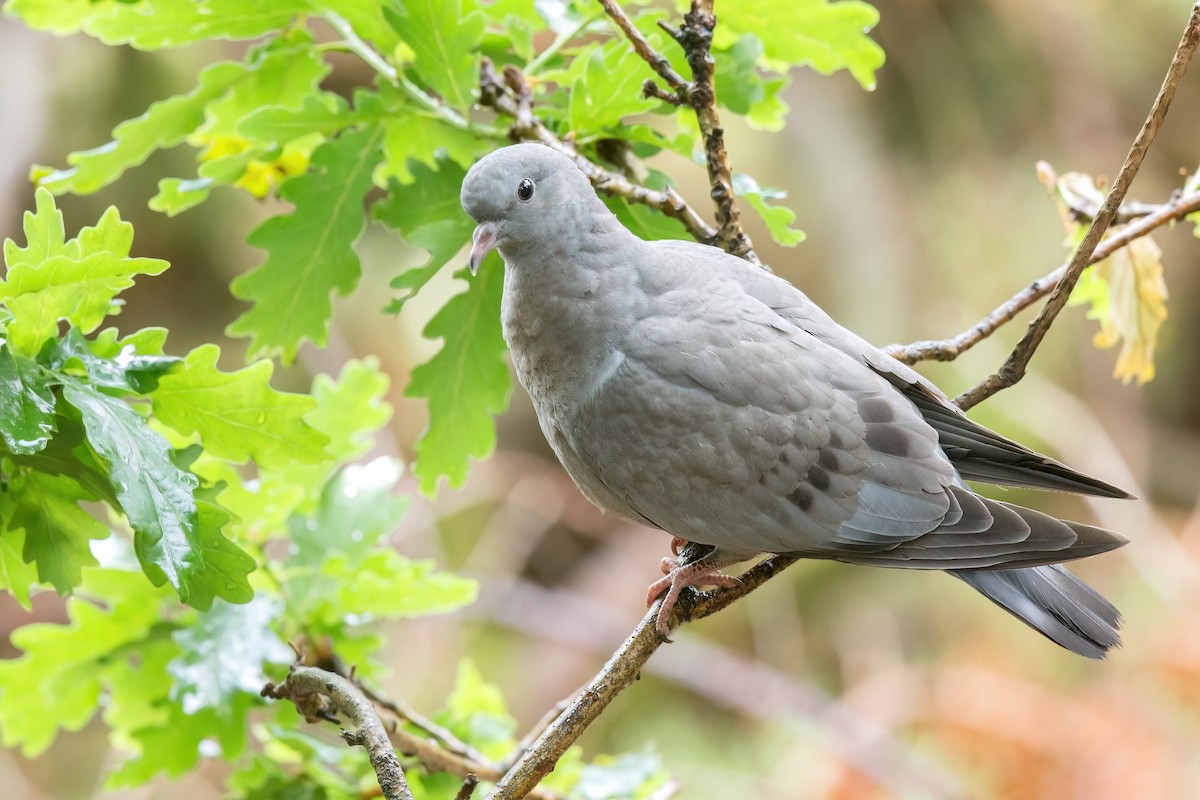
[1054, 602]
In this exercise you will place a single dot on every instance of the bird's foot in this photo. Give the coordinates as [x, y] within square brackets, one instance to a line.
[677, 577]
[677, 545]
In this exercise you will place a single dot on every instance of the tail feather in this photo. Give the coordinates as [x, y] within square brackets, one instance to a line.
[980, 454]
[991, 534]
[1053, 602]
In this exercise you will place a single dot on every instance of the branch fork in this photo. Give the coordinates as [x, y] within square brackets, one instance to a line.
[694, 36]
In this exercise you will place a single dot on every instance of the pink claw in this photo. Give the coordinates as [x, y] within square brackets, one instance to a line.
[698, 573]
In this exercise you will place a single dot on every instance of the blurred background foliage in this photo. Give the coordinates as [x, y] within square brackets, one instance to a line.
[922, 211]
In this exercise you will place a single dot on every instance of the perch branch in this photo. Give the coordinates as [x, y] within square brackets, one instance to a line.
[699, 94]
[320, 694]
[1013, 368]
[511, 96]
[622, 669]
[955, 346]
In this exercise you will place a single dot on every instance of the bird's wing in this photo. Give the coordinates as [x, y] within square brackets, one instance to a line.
[978, 453]
[729, 425]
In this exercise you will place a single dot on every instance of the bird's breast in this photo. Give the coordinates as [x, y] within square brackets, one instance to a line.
[565, 344]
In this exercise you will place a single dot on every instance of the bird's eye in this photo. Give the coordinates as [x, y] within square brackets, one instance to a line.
[525, 190]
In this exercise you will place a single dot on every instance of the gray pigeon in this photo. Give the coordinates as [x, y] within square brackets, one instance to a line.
[683, 388]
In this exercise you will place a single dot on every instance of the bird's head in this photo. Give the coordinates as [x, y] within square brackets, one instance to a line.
[525, 196]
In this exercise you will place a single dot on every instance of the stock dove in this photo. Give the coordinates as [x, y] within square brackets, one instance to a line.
[684, 388]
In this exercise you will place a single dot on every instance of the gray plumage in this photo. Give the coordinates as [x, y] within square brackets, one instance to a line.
[684, 388]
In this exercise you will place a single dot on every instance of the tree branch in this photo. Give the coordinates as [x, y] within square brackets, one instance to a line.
[1013, 368]
[657, 61]
[620, 672]
[953, 347]
[320, 694]
[695, 37]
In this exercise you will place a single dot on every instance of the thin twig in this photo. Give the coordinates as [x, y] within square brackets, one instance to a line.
[1013, 368]
[320, 694]
[695, 37]
[355, 44]
[643, 48]
[440, 734]
[620, 672]
[955, 346]
[435, 758]
[1080, 203]
[500, 95]
[468, 788]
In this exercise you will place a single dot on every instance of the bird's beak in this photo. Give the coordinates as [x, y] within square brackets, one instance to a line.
[484, 239]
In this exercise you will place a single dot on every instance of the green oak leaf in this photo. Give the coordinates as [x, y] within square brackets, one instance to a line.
[413, 136]
[60, 17]
[350, 409]
[157, 24]
[138, 687]
[366, 17]
[444, 41]
[770, 113]
[358, 508]
[75, 280]
[466, 382]
[606, 86]
[321, 112]
[388, 585]
[68, 454]
[165, 124]
[175, 746]
[224, 653]
[16, 576]
[742, 88]
[226, 566]
[296, 765]
[237, 415]
[45, 236]
[476, 712]
[176, 195]
[827, 36]
[309, 250]
[57, 530]
[26, 404]
[110, 363]
[279, 77]
[155, 494]
[778, 218]
[56, 683]
[427, 214]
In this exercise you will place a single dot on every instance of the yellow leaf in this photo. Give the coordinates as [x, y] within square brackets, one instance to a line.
[1136, 309]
